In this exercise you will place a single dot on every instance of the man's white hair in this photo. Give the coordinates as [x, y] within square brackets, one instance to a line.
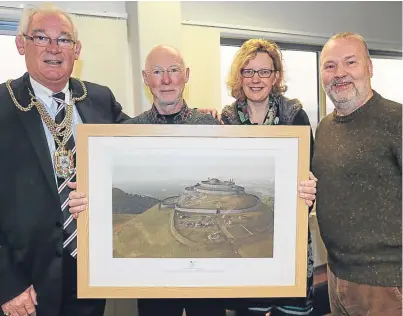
[46, 8]
[353, 35]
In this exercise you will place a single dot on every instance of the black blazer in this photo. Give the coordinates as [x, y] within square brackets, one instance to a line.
[31, 235]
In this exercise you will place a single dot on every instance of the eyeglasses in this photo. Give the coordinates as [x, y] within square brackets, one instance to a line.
[44, 41]
[262, 73]
[172, 72]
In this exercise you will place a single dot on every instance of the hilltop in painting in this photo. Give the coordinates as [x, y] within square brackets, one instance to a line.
[213, 218]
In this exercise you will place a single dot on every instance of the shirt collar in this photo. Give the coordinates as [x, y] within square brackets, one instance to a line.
[184, 114]
[45, 94]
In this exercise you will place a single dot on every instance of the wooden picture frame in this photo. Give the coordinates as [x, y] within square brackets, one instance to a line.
[144, 156]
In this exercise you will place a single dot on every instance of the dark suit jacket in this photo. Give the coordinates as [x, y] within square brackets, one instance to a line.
[30, 217]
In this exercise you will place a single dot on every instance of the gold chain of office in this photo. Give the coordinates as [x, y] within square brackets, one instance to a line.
[63, 159]
[62, 130]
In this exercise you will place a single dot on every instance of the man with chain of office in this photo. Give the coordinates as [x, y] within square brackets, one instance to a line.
[38, 115]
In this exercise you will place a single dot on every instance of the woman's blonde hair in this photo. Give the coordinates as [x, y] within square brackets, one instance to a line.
[248, 51]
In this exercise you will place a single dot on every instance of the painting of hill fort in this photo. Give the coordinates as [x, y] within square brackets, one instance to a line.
[212, 218]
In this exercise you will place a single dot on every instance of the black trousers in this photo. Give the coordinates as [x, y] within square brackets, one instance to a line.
[71, 305]
[175, 307]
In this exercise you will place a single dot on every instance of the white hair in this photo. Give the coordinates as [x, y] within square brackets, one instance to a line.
[351, 35]
[46, 8]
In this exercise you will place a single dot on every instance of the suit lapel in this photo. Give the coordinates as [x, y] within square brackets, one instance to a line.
[84, 108]
[31, 120]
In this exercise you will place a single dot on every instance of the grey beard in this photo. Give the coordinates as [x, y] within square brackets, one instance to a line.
[168, 103]
[346, 106]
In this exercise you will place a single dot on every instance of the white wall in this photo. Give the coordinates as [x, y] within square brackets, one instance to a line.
[201, 51]
[134, 53]
[150, 24]
[104, 57]
[15, 65]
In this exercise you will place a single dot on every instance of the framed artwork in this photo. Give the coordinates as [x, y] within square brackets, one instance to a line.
[178, 211]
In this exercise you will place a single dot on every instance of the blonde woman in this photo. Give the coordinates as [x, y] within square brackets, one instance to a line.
[256, 81]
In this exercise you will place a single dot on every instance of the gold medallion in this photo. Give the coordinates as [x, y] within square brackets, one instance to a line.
[63, 160]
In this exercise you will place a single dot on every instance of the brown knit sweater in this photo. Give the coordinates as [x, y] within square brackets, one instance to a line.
[358, 161]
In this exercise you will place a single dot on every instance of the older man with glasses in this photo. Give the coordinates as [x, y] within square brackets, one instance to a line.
[165, 74]
[38, 115]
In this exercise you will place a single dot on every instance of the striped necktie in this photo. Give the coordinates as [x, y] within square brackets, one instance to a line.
[69, 225]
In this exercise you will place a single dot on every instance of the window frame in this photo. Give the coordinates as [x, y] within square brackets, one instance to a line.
[8, 27]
